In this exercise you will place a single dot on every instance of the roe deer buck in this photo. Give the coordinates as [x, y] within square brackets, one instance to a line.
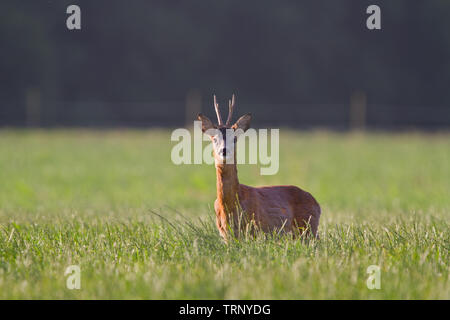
[270, 208]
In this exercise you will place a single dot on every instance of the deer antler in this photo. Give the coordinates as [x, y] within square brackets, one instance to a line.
[230, 110]
[216, 106]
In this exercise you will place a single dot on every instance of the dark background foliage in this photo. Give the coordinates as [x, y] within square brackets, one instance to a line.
[296, 63]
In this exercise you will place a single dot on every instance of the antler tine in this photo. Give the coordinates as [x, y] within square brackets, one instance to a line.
[216, 106]
[230, 110]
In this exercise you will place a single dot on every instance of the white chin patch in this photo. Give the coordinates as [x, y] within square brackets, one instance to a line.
[228, 159]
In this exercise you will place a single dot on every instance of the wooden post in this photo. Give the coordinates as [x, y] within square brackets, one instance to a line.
[33, 107]
[193, 106]
[358, 103]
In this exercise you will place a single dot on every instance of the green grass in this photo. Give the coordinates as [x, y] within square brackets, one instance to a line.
[86, 198]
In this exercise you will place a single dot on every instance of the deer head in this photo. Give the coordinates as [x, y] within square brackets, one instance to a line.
[224, 136]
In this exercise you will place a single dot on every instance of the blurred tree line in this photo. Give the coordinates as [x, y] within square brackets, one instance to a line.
[269, 52]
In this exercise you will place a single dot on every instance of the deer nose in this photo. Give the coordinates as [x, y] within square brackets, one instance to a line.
[224, 152]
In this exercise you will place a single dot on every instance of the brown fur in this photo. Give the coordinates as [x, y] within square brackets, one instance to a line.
[271, 208]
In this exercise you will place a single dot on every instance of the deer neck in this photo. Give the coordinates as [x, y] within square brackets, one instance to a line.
[227, 187]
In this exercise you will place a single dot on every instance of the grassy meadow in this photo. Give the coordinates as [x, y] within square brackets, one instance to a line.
[140, 227]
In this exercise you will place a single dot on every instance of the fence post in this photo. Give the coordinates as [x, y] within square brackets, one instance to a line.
[32, 107]
[193, 106]
[358, 105]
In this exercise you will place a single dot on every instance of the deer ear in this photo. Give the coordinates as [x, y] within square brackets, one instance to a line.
[206, 123]
[243, 122]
